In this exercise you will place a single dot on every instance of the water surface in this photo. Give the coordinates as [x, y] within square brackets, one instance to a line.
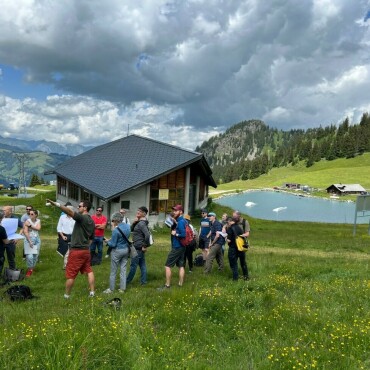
[271, 205]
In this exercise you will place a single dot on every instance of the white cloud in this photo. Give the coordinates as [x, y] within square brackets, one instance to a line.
[197, 65]
[355, 76]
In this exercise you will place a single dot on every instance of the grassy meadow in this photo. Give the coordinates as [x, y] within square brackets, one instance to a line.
[321, 175]
[306, 306]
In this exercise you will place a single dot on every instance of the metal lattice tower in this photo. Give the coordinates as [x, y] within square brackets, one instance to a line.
[21, 157]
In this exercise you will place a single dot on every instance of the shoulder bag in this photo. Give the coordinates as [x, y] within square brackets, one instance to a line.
[131, 248]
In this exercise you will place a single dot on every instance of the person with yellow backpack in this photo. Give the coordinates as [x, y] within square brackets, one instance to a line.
[234, 231]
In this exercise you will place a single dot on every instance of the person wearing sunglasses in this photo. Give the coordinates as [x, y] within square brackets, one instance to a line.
[32, 241]
[96, 247]
[26, 215]
[79, 260]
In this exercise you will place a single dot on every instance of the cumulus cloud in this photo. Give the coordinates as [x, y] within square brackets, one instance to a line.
[183, 69]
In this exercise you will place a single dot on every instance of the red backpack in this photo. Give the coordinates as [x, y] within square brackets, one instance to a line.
[189, 237]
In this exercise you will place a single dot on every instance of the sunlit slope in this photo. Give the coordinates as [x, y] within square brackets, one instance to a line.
[320, 175]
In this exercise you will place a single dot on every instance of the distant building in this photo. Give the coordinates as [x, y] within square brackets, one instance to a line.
[135, 171]
[292, 185]
[343, 189]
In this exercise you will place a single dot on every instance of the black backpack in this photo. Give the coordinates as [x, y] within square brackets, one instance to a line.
[19, 293]
[198, 260]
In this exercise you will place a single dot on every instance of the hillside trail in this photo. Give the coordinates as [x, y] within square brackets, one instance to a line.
[311, 253]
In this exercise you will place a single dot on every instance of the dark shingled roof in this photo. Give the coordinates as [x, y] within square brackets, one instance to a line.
[119, 166]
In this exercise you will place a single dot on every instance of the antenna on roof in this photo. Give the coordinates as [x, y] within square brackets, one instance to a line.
[128, 129]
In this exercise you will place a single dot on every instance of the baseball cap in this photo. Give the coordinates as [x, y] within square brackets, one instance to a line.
[204, 210]
[211, 214]
[178, 207]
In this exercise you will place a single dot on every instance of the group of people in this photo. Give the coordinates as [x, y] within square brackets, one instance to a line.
[213, 236]
[30, 226]
[81, 237]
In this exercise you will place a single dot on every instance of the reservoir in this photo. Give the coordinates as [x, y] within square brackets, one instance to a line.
[272, 205]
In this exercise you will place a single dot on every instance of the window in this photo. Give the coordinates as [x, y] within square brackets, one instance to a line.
[87, 196]
[125, 204]
[73, 191]
[62, 186]
[175, 183]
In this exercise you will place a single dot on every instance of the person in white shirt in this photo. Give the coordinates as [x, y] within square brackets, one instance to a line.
[64, 228]
[125, 218]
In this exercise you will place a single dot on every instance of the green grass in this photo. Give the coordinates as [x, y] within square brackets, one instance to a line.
[321, 175]
[306, 306]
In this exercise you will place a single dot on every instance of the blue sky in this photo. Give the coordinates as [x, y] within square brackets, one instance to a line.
[179, 71]
[13, 84]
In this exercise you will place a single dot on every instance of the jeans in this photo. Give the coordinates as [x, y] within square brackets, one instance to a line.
[233, 255]
[138, 260]
[31, 260]
[118, 258]
[97, 243]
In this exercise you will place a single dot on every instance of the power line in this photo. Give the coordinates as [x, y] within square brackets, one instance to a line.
[21, 157]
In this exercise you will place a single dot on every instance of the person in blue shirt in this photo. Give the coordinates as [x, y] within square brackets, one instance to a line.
[205, 227]
[119, 254]
[215, 247]
[177, 253]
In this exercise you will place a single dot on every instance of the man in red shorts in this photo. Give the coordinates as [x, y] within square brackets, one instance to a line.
[79, 259]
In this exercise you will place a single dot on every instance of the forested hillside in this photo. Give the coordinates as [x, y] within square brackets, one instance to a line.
[251, 148]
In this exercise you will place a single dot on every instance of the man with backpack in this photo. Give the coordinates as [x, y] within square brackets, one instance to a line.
[140, 239]
[177, 253]
[215, 246]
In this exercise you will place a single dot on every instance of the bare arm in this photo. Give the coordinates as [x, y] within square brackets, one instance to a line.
[37, 226]
[66, 210]
[26, 233]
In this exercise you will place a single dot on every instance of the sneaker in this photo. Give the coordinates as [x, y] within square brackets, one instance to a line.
[29, 272]
[66, 296]
[107, 256]
[92, 294]
[120, 291]
[163, 288]
[107, 291]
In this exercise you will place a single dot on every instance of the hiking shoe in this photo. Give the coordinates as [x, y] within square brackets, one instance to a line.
[163, 288]
[29, 272]
[92, 294]
[107, 291]
[66, 296]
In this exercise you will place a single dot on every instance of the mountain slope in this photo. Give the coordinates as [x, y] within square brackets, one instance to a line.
[42, 146]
